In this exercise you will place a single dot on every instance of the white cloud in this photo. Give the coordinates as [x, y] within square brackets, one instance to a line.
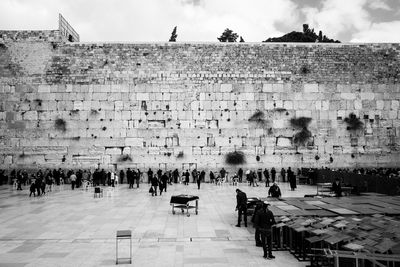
[385, 32]
[338, 17]
[197, 20]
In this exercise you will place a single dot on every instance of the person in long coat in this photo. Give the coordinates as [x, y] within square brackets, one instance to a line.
[291, 178]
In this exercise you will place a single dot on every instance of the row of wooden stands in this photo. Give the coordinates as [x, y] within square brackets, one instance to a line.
[311, 239]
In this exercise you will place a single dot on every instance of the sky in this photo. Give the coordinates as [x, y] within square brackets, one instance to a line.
[205, 20]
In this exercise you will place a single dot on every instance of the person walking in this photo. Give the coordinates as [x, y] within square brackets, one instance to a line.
[241, 207]
[154, 184]
[264, 220]
[149, 175]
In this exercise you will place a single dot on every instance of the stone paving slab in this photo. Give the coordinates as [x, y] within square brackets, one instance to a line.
[71, 228]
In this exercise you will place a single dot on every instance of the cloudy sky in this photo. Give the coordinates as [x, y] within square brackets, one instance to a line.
[205, 20]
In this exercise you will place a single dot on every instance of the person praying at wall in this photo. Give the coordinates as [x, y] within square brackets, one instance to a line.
[175, 174]
[186, 175]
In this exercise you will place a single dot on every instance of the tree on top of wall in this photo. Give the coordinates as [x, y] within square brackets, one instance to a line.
[173, 35]
[228, 36]
[307, 36]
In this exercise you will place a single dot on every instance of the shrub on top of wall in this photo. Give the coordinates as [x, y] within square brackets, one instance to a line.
[235, 158]
[353, 123]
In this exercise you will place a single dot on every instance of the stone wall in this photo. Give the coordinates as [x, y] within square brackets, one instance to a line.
[185, 104]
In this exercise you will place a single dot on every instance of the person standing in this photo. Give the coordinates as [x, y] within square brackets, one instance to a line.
[283, 175]
[259, 174]
[133, 178]
[154, 184]
[198, 180]
[139, 174]
[112, 179]
[163, 183]
[175, 174]
[257, 234]
[73, 180]
[337, 188]
[212, 177]
[273, 174]
[241, 207]
[291, 178]
[32, 189]
[129, 177]
[222, 173]
[240, 174]
[186, 175]
[266, 176]
[149, 175]
[121, 176]
[264, 220]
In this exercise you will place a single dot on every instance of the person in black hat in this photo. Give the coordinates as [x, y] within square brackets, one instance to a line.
[264, 220]
[241, 206]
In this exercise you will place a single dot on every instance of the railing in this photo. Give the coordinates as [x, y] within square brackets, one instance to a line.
[66, 30]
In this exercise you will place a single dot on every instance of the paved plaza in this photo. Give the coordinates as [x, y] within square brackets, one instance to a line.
[72, 228]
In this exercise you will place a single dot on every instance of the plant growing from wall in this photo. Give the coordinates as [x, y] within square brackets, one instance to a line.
[60, 125]
[235, 158]
[258, 118]
[124, 158]
[353, 123]
[180, 155]
[301, 138]
[301, 122]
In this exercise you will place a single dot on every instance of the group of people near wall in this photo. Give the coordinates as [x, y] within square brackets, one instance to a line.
[262, 219]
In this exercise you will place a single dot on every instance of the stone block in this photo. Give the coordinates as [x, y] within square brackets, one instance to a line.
[348, 96]
[226, 88]
[311, 88]
[367, 96]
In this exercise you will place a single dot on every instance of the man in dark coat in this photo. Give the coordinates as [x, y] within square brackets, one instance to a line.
[175, 174]
[121, 176]
[240, 174]
[283, 175]
[273, 174]
[274, 191]
[266, 176]
[264, 220]
[154, 184]
[291, 178]
[187, 175]
[337, 188]
[149, 175]
[241, 206]
[163, 183]
[129, 177]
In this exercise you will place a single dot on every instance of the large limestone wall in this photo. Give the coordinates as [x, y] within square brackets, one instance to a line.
[180, 104]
